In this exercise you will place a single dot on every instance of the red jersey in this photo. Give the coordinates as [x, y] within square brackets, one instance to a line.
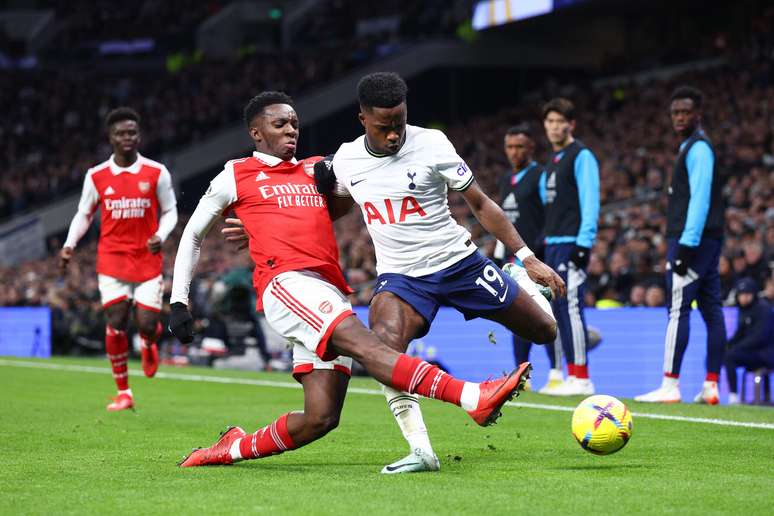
[284, 215]
[129, 200]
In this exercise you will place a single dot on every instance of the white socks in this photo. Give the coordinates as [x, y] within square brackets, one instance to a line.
[670, 383]
[470, 394]
[236, 455]
[405, 409]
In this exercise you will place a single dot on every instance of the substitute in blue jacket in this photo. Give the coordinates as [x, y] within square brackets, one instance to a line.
[752, 346]
[694, 236]
[521, 202]
[569, 188]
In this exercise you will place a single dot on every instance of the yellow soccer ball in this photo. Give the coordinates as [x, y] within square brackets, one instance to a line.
[602, 424]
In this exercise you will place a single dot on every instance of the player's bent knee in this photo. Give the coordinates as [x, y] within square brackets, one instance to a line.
[321, 424]
[545, 331]
[389, 335]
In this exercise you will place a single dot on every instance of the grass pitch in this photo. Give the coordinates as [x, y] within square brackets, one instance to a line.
[63, 453]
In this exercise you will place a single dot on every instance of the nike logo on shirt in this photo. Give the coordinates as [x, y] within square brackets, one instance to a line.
[504, 294]
[352, 182]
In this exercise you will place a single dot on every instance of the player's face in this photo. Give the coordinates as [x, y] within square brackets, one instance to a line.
[558, 128]
[124, 137]
[275, 131]
[385, 127]
[685, 116]
[518, 149]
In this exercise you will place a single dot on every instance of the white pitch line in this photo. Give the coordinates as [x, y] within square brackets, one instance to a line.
[360, 390]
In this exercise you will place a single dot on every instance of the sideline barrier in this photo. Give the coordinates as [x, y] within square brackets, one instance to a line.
[25, 331]
[628, 361]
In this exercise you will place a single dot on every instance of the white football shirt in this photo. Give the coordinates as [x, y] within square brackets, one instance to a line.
[403, 198]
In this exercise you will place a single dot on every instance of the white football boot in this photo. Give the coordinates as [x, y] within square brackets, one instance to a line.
[733, 398]
[669, 392]
[415, 462]
[574, 386]
[555, 379]
[709, 394]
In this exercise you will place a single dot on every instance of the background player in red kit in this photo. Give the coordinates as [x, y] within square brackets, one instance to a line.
[302, 291]
[138, 211]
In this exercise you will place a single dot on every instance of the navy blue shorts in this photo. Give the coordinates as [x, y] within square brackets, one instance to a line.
[474, 285]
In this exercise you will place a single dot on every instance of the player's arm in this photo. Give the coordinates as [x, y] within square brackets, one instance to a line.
[494, 220]
[587, 178]
[81, 221]
[700, 162]
[220, 195]
[337, 196]
[459, 177]
[165, 194]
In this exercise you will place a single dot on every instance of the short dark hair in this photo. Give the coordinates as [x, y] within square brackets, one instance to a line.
[560, 105]
[266, 98]
[688, 92]
[381, 89]
[522, 128]
[120, 114]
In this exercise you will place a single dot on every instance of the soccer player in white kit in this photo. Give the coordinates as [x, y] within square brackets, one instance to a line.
[399, 175]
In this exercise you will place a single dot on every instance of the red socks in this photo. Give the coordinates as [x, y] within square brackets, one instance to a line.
[580, 371]
[711, 377]
[269, 440]
[117, 347]
[417, 376]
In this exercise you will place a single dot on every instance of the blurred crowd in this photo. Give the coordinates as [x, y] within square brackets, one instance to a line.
[51, 127]
[51, 132]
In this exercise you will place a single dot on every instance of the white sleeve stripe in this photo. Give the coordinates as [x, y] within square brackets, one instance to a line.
[220, 195]
[465, 186]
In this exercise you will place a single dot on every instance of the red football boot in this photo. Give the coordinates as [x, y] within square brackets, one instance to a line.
[150, 359]
[494, 394]
[123, 401]
[217, 454]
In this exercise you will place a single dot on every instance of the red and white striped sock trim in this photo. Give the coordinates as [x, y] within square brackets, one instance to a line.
[276, 437]
[436, 381]
[419, 373]
[295, 306]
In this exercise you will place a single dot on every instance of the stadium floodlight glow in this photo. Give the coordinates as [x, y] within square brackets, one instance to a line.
[491, 13]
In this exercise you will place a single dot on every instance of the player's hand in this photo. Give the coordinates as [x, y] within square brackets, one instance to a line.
[580, 256]
[324, 177]
[65, 255]
[181, 323]
[682, 260]
[154, 244]
[541, 273]
[236, 234]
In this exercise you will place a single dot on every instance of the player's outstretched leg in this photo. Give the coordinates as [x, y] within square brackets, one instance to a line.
[482, 401]
[396, 323]
[324, 392]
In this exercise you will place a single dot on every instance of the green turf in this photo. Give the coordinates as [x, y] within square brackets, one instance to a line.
[63, 453]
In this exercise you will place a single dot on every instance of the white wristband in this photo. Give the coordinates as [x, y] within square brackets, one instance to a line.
[524, 253]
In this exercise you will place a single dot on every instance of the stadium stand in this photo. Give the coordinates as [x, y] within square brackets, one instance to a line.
[51, 133]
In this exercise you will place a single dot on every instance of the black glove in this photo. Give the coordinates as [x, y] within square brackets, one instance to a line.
[181, 323]
[324, 177]
[682, 259]
[580, 256]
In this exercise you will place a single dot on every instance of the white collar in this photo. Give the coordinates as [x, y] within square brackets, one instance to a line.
[134, 168]
[270, 160]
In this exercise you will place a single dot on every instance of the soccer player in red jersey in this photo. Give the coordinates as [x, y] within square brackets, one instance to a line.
[138, 212]
[302, 291]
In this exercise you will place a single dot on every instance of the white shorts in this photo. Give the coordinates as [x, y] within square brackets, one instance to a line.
[305, 308]
[146, 295]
